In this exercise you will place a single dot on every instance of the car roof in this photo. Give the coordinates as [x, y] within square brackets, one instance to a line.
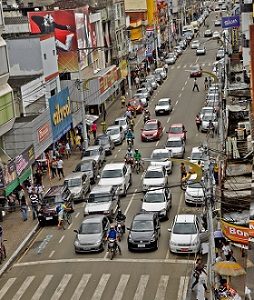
[164, 99]
[185, 218]
[101, 189]
[160, 150]
[174, 138]
[144, 216]
[113, 166]
[94, 147]
[154, 168]
[93, 218]
[74, 175]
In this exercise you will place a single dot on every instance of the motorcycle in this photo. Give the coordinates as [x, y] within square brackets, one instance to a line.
[120, 229]
[112, 248]
[129, 161]
[137, 166]
[146, 118]
[130, 142]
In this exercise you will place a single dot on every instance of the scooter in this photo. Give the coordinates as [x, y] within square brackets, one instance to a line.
[112, 248]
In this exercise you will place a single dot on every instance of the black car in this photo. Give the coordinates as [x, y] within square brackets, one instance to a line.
[89, 167]
[55, 195]
[144, 232]
[105, 141]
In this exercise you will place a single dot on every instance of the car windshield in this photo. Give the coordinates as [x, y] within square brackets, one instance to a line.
[90, 228]
[185, 228]
[150, 126]
[73, 182]
[154, 197]
[113, 131]
[112, 173]
[175, 130]
[194, 185]
[160, 155]
[142, 225]
[208, 118]
[174, 144]
[49, 201]
[196, 155]
[154, 174]
[120, 122]
[84, 167]
[164, 102]
[99, 197]
[91, 152]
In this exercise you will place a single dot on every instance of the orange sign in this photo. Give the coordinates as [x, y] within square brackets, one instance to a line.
[108, 79]
[43, 132]
[235, 233]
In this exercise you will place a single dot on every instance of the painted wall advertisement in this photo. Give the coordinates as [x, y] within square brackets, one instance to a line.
[107, 80]
[24, 160]
[60, 114]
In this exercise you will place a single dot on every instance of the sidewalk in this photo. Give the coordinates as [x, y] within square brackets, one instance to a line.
[16, 231]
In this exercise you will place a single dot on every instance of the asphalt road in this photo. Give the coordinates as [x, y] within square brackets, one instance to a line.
[58, 273]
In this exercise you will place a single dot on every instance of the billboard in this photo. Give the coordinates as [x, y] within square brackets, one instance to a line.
[60, 114]
[24, 160]
[230, 22]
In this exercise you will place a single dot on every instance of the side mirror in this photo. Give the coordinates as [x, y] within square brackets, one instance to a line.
[75, 230]
[169, 229]
[158, 227]
[128, 228]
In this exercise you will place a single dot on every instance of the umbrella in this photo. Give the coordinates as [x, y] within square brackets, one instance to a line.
[228, 268]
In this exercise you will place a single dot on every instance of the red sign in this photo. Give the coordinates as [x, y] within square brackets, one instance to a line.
[108, 79]
[43, 132]
[235, 233]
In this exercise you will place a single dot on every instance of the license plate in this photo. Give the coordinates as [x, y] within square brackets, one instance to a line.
[161, 111]
[49, 218]
[141, 245]
[184, 249]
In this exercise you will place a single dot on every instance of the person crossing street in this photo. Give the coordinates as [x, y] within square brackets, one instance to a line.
[195, 85]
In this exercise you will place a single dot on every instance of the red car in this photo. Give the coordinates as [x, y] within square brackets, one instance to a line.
[177, 130]
[196, 71]
[134, 104]
[152, 131]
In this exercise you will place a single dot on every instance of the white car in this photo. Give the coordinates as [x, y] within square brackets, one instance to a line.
[216, 34]
[208, 33]
[206, 110]
[163, 106]
[187, 234]
[116, 134]
[195, 44]
[197, 155]
[159, 201]
[160, 157]
[155, 176]
[201, 50]
[162, 72]
[194, 193]
[122, 122]
[118, 175]
[177, 146]
[205, 122]
[220, 54]
[96, 153]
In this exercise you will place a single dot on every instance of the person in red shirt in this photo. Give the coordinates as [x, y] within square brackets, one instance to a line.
[94, 130]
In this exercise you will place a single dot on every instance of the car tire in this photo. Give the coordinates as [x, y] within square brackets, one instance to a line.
[157, 245]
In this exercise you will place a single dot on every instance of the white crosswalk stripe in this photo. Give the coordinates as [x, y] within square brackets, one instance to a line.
[101, 286]
[162, 287]
[23, 288]
[141, 287]
[81, 287]
[42, 287]
[6, 287]
[62, 285]
[121, 287]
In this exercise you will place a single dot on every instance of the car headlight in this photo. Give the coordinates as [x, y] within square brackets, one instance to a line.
[173, 243]
[76, 243]
[130, 238]
[163, 211]
[153, 239]
[98, 242]
[106, 212]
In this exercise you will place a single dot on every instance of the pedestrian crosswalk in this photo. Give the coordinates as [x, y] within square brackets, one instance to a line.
[89, 286]
[188, 66]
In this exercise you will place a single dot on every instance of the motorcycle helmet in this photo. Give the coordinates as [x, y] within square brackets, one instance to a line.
[136, 150]
[112, 226]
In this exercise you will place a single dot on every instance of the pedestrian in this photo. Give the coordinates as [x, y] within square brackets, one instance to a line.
[122, 99]
[166, 67]
[206, 83]
[183, 170]
[78, 142]
[128, 114]
[227, 251]
[23, 205]
[216, 173]
[209, 81]
[136, 80]
[94, 129]
[104, 114]
[34, 203]
[67, 150]
[202, 287]
[199, 268]
[198, 122]
[195, 85]
[211, 128]
[53, 167]
[60, 168]
[38, 177]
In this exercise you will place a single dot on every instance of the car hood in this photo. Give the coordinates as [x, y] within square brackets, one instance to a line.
[153, 206]
[175, 149]
[75, 190]
[115, 136]
[142, 236]
[154, 181]
[99, 206]
[183, 239]
[195, 192]
[110, 181]
[85, 239]
[148, 133]
[94, 157]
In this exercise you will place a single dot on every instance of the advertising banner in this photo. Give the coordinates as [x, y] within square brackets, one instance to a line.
[43, 132]
[235, 233]
[9, 172]
[230, 22]
[24, 160]
[108, 79]
[60, 114]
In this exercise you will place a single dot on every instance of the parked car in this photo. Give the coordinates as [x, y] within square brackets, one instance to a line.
[206, 110]
[117, 173]
[205, 122]
[135, 105]
[163, 106]
[116, 134]
[55, 195]
[105, 142]
[177, 146]
[220, 54]
[196, 71]
[208, 33]
[171, 59]
[148, 86]
[187, 233]
[143, 100]
[162, 72]
[216, 34]
[144, 93]
[79, 185]
[201, 50]
[217, 23]
[152, 80]
[195, 44]
[197, 155]
[155, 176]
[122, 122]
[161, 157]
[158, 78]
[96, 153]
[194, 193]
[91, 235]
[183, 44]
[144, 232]
[159, 201]
[152, 131]
[88, 167]
[178, 50]
[177, 130]
[103, 200]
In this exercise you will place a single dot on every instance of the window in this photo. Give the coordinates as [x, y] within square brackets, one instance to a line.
[54, 52]
[45, 56]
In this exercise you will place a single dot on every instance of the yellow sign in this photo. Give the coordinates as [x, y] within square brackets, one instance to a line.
[61, 112]
[123, 68]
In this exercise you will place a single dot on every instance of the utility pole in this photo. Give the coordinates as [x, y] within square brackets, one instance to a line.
[156, 44]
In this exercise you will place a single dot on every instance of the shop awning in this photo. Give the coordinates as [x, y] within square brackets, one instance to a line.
[27, 173]
[11, 187]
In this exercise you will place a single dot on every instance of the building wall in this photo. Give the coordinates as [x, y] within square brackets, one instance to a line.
[49, 57]
[134, 5]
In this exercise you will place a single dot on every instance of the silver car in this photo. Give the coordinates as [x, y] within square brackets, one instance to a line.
[171, 59]
[122, 122]
[96, 153]
[148, 86]
[162, 72]
[143, 92]
[155, 176]
[206, 121]
[161, 157]
[116, 134]
[152, 80]
[79, 184]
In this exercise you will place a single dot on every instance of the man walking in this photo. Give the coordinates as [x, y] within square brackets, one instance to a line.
[60, 168]
[198, 122]
[94, 129]
[195, 86]
[136, 79]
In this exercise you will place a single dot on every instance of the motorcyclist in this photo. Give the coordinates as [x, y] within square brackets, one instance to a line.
[129, 156]
[132, 124]
[137, 155]
[120, 217]
[130, 136]
[113, 235]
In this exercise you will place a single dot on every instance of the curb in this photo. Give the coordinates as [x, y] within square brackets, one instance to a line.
[19, 249]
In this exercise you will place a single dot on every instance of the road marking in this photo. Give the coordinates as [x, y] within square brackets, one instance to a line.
[77, 214]
[163, 130]
[118, 295]
[115, 156]
[129, 204]
[6, 287]
[197, 60]
[84, 204]
[180, 95]
[101, 286]
[23, 287]
[177, 100]
[61, 239]
[172, 68]
[196, 134]
[139, 294]
[186, 284]
[52, 253]
[81, 286]
[180, 203]
[168, 119]
[46, 280]
[178, 67]
[162, 287]
[93, 260]
[157, 143]
[186, 82]
[167, 254]
[183, 88]
[69, 227]
[61, 286]
[119, 150]
[183, 288]
[184, 66]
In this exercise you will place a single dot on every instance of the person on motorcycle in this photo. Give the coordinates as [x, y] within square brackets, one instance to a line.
[120, 217]
[113, 235]
[61, 210]
[130, 136]
[129, 156]
[132, 124]
[137, 155]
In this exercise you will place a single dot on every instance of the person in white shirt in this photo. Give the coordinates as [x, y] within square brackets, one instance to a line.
[67, 150]
[60, 168]
[227, 250]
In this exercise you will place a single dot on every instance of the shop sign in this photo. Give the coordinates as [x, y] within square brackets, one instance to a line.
[108, 79]
[229, 22]
[24, 160]
[9, 172]
[235, 233]
[60, 114]
[43, 132]
[123, 68]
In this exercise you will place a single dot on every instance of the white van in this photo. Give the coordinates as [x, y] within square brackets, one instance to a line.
[195, 25]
